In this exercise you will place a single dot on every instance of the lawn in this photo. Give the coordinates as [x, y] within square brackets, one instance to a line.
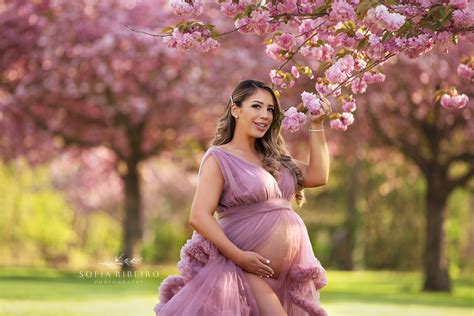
[49, 292]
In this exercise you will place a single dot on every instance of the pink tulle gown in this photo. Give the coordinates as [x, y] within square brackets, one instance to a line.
[255, 213]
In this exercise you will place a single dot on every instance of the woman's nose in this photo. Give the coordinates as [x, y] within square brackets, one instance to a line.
[264, 114]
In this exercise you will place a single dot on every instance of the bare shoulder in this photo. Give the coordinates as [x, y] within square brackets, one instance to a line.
[209, 189]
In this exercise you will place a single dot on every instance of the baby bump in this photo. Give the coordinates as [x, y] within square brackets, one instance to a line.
[274, 234]
[283, 242]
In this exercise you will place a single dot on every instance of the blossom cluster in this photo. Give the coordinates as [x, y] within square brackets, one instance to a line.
[454, 101]
[185, 40]
[259, 22]
[311, 102]
[380, 19]
[342, 42]
[466, 71]
[342, 122]
[341, 70]
[194, 8]
[293, 119]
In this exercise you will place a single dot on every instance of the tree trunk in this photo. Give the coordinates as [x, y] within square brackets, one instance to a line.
[350, 224]
[343, 240]
[132, 224]
[436, 261]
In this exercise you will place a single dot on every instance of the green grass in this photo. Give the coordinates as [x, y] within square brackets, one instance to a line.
[49, 292]
[388, 293]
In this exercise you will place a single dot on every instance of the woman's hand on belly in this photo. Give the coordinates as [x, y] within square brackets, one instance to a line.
[255, 263]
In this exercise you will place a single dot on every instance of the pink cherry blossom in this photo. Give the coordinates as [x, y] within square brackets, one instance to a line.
[342, 40]
[182, 7]
[394, 21]
[295, 72]
[341, 11]
[373, 77]
[283, 7]
[424, 3]
[359, 86]
[374, 39]
[293, 119]
[443, 39]
[347, 118]
[342, 122]
[454, 102]
[322, 53]
[465, 71]
[306, 26]
[349, 105]
[285, 41]
[184, 41]
[463, 19]
[276, 77]
[379, 19]
[290, 84]
[337, 125]
[415, 46]
[460, 4]
[306, 6]
[230, 9]
[376, 51]
[341, 70]
[259, 22]
[207, 45]
[359, 64]
[311, 102]
[274, 51]
[325, 88]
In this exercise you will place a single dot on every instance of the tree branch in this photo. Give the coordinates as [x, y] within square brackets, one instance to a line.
[465, 156]
[461, 180]
[407, 149]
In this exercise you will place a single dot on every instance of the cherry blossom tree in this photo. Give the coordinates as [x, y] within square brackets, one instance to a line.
[74, 77]
[407, 113]
[440, 142]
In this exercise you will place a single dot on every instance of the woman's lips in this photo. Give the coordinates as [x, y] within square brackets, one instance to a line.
[259, 127]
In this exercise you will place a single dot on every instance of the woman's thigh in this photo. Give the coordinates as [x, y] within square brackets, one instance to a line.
[267, 301]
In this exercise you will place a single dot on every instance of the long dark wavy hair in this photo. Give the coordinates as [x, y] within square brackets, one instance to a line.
[271, 147]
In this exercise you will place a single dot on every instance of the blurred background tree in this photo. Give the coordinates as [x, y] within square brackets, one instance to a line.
[69, 85]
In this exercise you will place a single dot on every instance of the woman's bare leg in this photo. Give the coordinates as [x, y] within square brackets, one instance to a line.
[267, 301]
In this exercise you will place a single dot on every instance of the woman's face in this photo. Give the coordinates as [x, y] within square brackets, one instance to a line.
[257, 109]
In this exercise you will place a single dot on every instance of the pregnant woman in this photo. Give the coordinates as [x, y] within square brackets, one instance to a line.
[250, 253]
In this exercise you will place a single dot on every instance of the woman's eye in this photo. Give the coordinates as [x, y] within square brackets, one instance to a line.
[271, 109]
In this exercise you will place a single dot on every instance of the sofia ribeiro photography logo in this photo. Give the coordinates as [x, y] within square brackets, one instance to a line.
[118, 277]
[120, 261]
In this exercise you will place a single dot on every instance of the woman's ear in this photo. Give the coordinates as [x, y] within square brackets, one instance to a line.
[234, 110]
